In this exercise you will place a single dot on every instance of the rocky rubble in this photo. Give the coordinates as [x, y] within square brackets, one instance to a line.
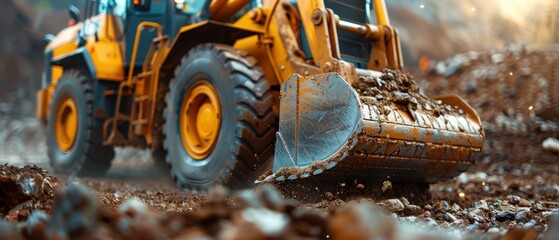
[24, 189]
[398, 90]
[515, 183]
[503, 193]
[507, 87]
[488, 215]
[261, 214]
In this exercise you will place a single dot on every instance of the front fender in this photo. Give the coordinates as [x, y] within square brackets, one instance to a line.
[79, 59]
[203, 32]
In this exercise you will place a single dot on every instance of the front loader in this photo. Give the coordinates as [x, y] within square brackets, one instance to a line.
[224, 91]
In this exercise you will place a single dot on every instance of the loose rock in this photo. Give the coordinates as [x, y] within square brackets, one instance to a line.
[504, 216]
[393, 205]
[476, 215]
[386, 185]
[521, 216]
[412, 210]
[449, 217]
[441, 207]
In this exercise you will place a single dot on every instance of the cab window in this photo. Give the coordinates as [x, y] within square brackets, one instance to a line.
[118, 9]
[189, 6]
[151, 7]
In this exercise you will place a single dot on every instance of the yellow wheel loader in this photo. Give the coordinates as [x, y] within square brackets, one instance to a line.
[225, 91]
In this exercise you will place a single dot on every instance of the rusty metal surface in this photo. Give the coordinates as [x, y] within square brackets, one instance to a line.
[319, 117]
[429, 149]
[322, 133]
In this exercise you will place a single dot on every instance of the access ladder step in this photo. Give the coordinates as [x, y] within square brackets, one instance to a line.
[139, 122]
[138, 99]
[144, 74]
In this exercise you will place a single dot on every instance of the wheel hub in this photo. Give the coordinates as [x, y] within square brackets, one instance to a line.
[200, 120]
[66, 127]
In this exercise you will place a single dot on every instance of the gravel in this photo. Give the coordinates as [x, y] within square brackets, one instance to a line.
[78, 213]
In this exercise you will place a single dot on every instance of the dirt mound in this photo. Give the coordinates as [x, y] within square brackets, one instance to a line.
[24, 189]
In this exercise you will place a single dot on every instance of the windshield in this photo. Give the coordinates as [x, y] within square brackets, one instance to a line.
[189, 6]
[118, 7]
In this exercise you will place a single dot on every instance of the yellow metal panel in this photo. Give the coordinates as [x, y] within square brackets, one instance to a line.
[216, 6]
[248, 22]
[226, 11]
[382, 14]
[107, 59]
[109, 28]
[56, 74]
[105, 51]
[256, 46]
[306, 8]
[64, 42]
[64, 49]
[251, 46]
[42, 104]
[44, 95]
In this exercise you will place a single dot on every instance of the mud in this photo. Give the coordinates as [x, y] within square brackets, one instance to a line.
[12, 194]
[161, 195]
[24, 189]
[327, 188]
[398, 90]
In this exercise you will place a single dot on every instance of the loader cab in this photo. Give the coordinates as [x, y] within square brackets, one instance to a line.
[170, 14]
[139, 11]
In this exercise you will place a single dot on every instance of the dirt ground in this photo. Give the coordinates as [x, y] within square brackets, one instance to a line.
[488, 201]
[511, 193]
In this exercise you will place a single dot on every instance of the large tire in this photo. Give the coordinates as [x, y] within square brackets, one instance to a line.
[245, 143]
[159, 162]
[158, 153]
[87, 156]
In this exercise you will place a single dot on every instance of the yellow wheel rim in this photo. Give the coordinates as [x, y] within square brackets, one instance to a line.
[66, 125]
[200, 120]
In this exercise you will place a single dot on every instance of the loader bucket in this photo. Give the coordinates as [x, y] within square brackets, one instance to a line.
[326, 127]
[319, 122]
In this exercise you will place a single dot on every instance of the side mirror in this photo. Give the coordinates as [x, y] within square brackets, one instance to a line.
[74, 13]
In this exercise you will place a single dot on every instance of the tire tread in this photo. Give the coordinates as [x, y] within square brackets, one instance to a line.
[96, 158]
[256, 122]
